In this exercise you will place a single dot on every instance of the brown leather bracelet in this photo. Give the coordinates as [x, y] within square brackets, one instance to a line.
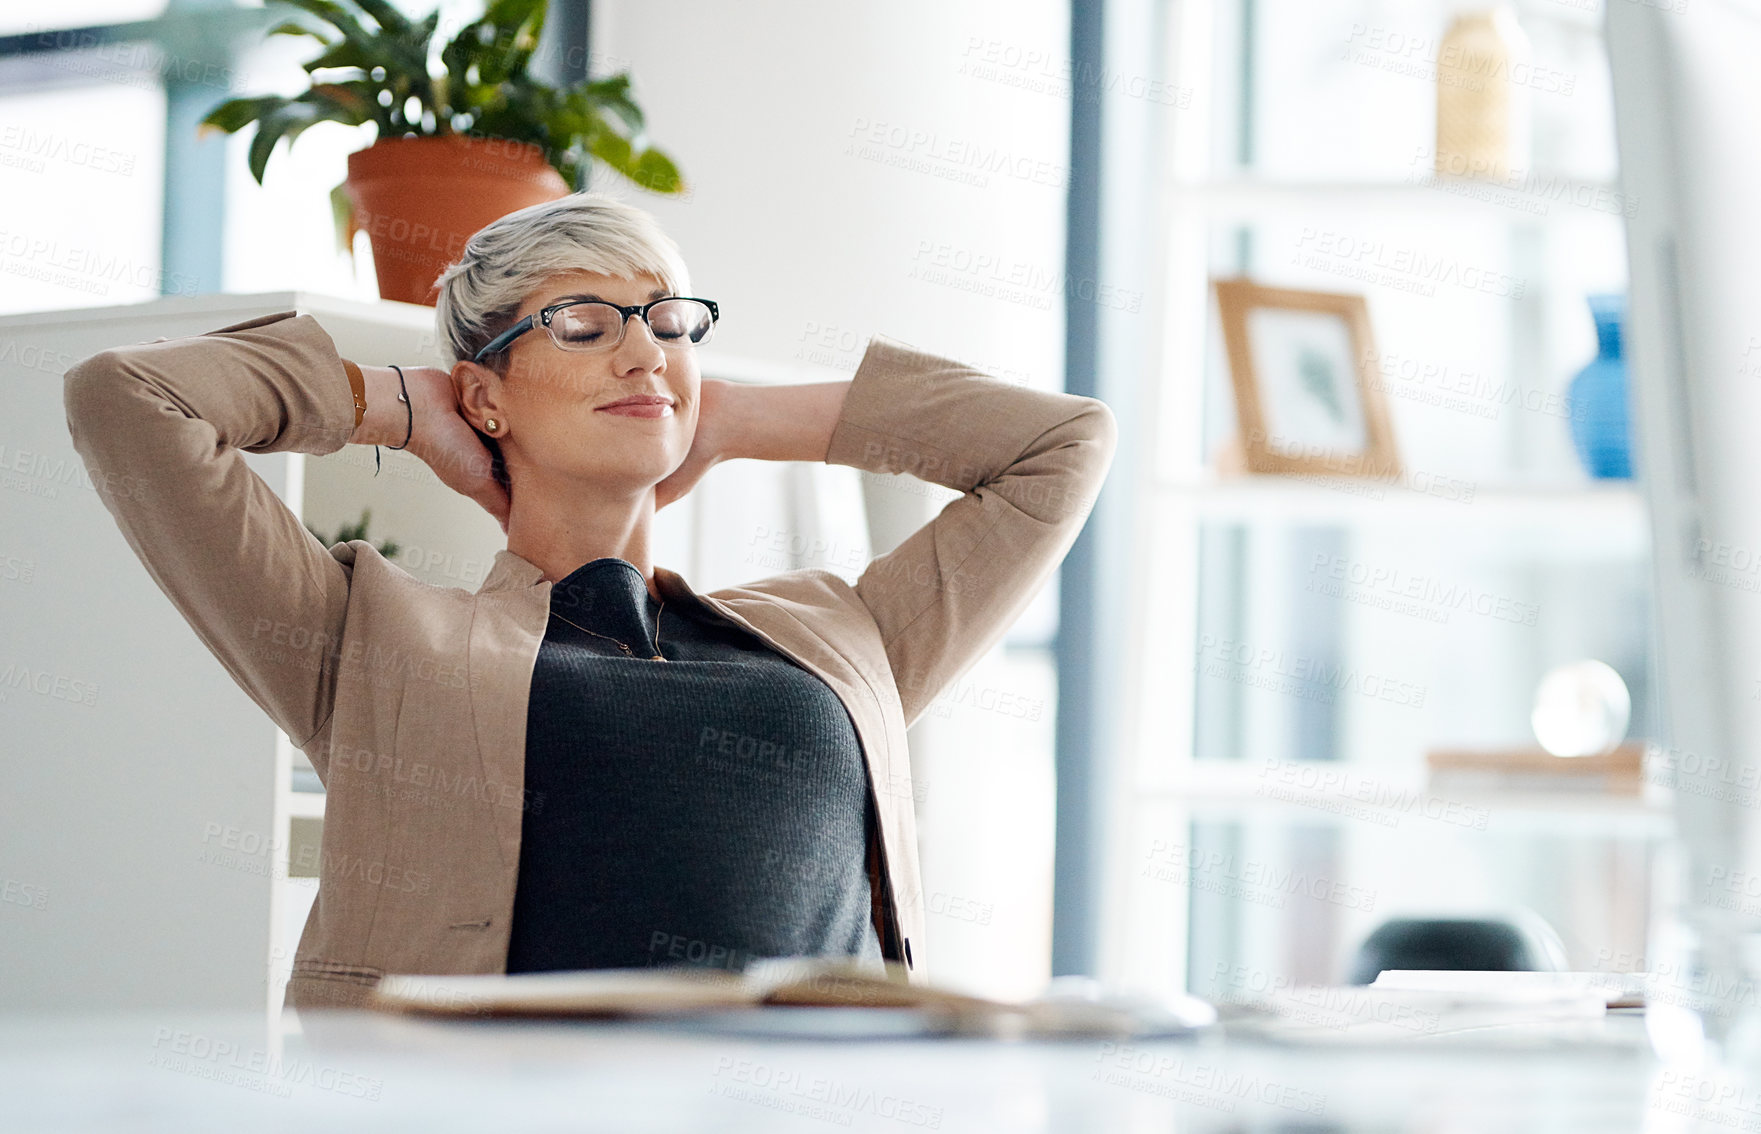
[359, 385]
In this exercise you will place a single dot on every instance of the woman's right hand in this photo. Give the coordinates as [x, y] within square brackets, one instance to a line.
[438, 433]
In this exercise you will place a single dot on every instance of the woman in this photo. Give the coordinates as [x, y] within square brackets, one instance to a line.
[585, 763]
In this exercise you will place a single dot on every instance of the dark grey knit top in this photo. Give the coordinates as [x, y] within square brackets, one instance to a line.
[710, 809]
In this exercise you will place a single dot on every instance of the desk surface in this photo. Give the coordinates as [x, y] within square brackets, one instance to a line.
[359, 1071]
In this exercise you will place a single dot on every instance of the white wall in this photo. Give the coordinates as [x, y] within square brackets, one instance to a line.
[897, 169]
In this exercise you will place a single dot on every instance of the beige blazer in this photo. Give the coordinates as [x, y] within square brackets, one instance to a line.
[410, 699]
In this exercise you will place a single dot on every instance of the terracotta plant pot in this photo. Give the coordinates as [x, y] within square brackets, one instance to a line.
[419, 199]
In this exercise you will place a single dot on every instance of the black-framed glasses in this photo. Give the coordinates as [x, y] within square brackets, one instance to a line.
[592, 324]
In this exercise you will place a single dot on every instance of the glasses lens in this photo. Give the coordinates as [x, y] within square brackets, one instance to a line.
[680, 322]
[584, 326]
[595, 326]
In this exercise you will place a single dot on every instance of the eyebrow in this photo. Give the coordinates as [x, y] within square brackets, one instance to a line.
[657, 293]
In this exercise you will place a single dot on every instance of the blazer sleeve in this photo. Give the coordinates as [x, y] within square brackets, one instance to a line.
[1029, 464]
[160, 427]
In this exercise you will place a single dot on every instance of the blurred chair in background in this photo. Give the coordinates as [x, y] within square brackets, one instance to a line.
[1525, 943]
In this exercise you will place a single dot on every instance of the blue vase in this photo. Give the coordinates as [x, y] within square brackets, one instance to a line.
[1601, 427]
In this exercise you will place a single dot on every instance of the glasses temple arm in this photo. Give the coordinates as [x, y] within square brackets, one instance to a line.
[504, 338]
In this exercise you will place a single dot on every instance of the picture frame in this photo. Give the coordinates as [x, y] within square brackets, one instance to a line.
[1306, 398]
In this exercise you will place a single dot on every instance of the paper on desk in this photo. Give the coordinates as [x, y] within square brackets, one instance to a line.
[1359, 1012]
[800, 982]
[1619, 990]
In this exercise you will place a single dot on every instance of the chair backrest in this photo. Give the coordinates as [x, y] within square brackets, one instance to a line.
[1478, 944]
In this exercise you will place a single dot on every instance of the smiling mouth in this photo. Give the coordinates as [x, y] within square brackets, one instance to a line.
[651, 401]
[644, 408]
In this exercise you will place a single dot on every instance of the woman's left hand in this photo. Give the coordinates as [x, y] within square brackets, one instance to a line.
[706, 444]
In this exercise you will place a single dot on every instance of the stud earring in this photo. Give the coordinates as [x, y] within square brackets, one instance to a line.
[490, 425]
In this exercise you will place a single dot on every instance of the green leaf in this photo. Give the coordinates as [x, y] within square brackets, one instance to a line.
[519, 23]
[269, 132]
[342, 211]
[347, 53]
[436, 89]
[386, 15]
[573, 171]
[288, 121]
[293, 27]
[358, 530]
[613, 94]
[443, 107]
[614, 150]
[235, 114]
[352, 100]
[657, 173]
[507, 13]
[456, 57]
[333, 14]
[575, 113]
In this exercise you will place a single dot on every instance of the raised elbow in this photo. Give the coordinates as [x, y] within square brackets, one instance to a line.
[1104, 427]
[1063, 475]
[1095, 432]
[88, 387]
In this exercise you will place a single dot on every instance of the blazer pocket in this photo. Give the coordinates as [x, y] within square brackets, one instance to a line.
[335, 970]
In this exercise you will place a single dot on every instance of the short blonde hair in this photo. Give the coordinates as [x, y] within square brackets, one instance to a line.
[508, 259]
[504, 262]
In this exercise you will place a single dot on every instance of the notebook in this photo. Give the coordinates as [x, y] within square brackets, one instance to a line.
[798, 983]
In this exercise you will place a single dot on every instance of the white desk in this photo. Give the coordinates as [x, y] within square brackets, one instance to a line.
[358, 1071]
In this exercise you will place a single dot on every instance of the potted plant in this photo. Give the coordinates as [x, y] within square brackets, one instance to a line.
[457, 145]
[357, 530]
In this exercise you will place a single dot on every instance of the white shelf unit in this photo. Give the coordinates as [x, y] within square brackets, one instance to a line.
[1530, 506]
[1219, 789]
[1609, 508]
[1538, 197]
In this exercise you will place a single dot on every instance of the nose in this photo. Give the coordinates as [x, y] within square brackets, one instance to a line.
[640, 349]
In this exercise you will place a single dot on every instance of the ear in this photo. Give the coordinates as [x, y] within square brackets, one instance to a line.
[479, 392]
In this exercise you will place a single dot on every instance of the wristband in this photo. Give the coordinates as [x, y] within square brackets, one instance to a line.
[409, 410]
[358, 385]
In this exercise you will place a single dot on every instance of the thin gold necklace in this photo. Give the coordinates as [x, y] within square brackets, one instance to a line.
[628, 652]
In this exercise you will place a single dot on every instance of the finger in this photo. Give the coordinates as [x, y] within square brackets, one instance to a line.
[493, 500]
[485, 491]
[499, 504]
[499, 516]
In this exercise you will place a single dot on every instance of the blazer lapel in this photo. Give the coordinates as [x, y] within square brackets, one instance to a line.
[513, 608]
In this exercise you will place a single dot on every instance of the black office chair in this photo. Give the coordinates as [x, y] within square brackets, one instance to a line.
[1481, 944]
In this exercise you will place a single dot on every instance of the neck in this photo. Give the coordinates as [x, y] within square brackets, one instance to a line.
[559, 527]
